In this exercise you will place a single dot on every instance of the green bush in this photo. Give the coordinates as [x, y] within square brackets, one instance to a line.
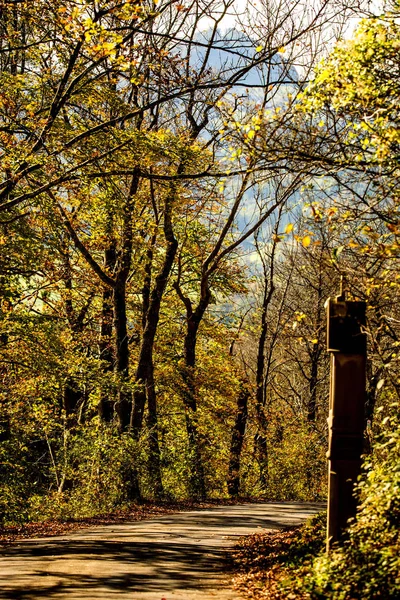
[296, 464]
[94, 462]
[367, 565]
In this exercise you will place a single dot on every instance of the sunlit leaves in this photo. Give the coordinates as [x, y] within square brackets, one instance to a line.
[359, 79]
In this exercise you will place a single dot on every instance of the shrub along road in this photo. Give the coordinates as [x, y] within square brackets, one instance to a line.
[178, 556]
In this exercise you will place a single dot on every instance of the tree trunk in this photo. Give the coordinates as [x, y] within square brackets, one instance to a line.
[197, 484]
[145, 362]
[154, 447]
[312, 402]
[72, 397]
[371, 394]
[260, 439]
[146, 289]
[315, 355]
[123, 405]
[106, 404]
[196, 477]
[145, 369]
[237, 440]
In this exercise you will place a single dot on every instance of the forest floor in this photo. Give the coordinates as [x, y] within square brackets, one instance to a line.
[267, 564]
[179, 555]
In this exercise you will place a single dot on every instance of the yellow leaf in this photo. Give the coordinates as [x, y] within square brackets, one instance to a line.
[259, 48]
[289, 228]
[324, 75]
[315, 341]
[282, 50]
[306, 241]
[251, 134]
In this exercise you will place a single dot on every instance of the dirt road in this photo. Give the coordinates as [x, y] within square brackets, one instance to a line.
[175, 557]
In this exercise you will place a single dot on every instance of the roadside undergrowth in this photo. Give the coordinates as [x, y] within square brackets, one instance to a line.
[266, 563]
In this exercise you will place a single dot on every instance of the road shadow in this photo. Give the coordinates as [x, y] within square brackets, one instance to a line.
[174, 553]
[174, 566]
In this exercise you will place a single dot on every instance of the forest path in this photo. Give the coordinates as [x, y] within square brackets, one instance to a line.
[179, 556]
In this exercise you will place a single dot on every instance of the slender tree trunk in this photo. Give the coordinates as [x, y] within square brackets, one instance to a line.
[72, 397]
[261, 443]
[312, 402]
[146, 374]
[154, 447]
[145, 361]
[196, 478]
[71, 392]
[145, 369]
[106, 404]
[237, 440]
[263, 365]
[371, 395]
[146, 289]
[370, 401]
[123, 405]
[315, 357]
[139, 395]
[5, 422]
[193, 319]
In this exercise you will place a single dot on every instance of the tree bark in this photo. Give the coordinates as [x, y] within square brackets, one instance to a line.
[144, 377]
[197, 484]
[73, 394]
[316, 354]
[238, 432]
[154, 447]
[145, 361]
[260, 438]
[196, 478]
[146, 289]
[312, 402]
[106, 404]
[123, 404]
